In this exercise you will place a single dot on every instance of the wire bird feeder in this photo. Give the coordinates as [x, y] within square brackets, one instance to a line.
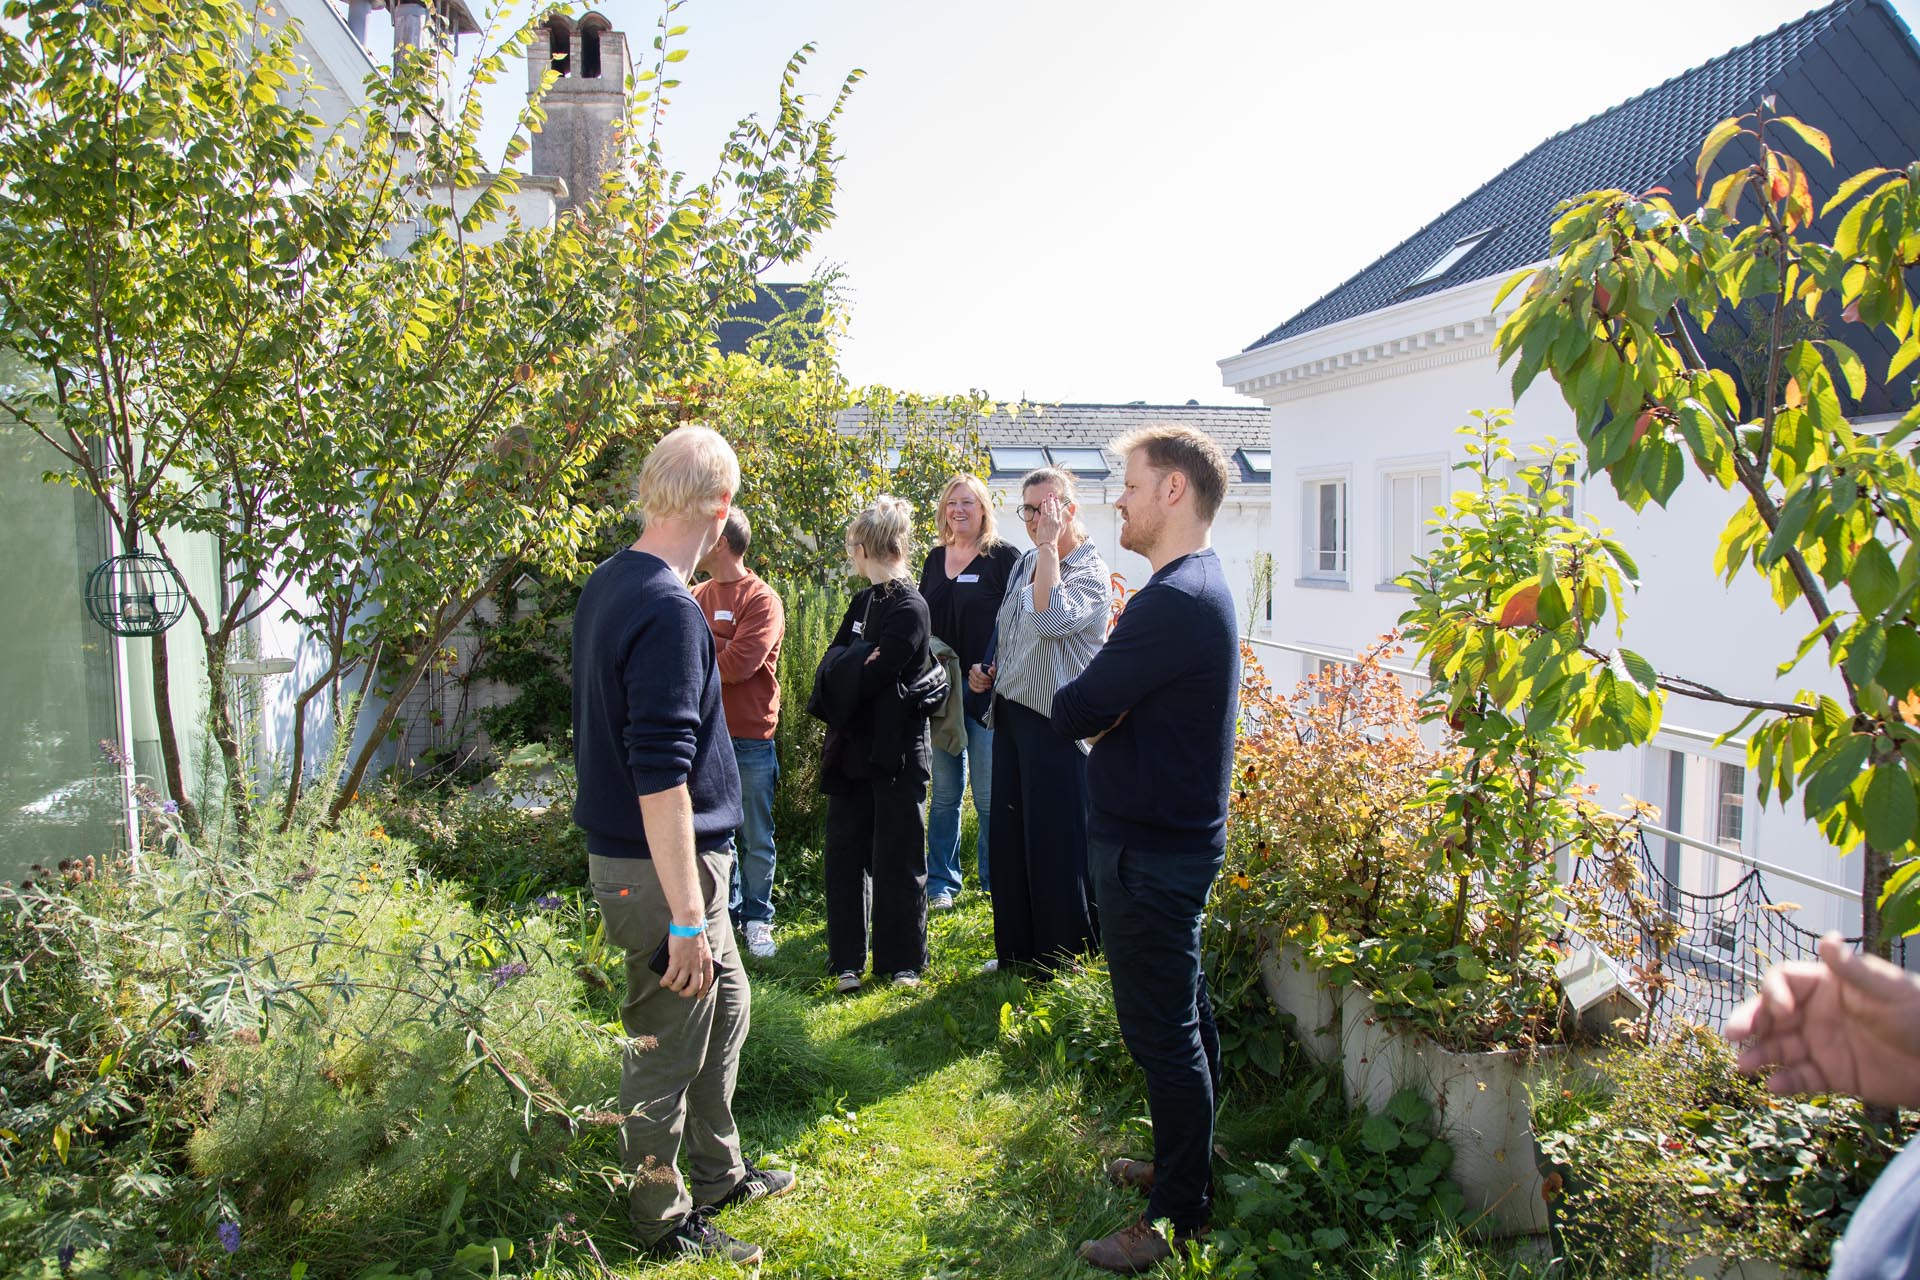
[137, 594]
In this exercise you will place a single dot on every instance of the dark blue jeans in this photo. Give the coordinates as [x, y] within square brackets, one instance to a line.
[1150, 906]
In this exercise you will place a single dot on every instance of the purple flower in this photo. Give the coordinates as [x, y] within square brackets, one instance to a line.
[170, 806]
[507, 973]
[110, 752]
[549, 902]
[230, 1236]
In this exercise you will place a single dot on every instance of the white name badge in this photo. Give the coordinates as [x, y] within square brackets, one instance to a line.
[723, 615]
[968, 577]
[859, 628]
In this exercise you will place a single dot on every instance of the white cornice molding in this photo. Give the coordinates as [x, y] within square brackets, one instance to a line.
[1442, 328]
[1394, 358]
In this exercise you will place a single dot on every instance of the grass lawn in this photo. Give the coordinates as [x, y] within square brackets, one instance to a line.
[924, 1151]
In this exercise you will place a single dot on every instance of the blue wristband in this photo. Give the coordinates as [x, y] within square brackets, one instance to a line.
[686, 930]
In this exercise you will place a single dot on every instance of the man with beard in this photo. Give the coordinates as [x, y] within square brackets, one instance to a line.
[1159, 702]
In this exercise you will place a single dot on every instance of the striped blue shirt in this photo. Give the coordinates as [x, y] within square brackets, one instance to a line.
[1038, 651]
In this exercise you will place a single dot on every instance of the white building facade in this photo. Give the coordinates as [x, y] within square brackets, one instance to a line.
[1368, 385]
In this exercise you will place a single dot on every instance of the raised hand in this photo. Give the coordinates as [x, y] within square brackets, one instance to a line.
[1849, 1023]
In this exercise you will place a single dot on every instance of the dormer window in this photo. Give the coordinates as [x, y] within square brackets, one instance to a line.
[1453, 257]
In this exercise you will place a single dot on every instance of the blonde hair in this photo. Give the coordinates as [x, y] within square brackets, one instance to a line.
[884, 529]
[989, 528]
[1063, 482]
[690, 472]
[1192, 453]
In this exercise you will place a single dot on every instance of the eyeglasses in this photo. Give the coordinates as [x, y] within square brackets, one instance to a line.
[1026, 511]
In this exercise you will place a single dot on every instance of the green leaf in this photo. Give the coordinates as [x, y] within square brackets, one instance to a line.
[1852, 185]
[1900, 900]
[1380, 1133]
[1889, 808]
[1407, 1106]
[1852, 368]
[1900, 669]
[1809, 135]
[1717, 139]
[1793, 518]
[1831, 781]
[1874, 581]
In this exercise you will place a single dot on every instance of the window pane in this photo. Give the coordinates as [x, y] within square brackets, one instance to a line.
[58, 797]
[1329, 531]
[1731, 817]
[1431, 498]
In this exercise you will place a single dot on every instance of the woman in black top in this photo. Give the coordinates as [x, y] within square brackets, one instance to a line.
[963, 580]
[874, 771]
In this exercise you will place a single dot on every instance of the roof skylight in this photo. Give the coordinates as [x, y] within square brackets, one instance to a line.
[1016, 459]
[1258, 461]
[1080, 461]
[1452, 257]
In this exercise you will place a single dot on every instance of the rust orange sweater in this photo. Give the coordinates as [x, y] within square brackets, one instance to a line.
[748, 622]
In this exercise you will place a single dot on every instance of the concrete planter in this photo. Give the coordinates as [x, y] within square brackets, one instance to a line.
[1483, 1108]
[1297, 988]
[1480, 1098]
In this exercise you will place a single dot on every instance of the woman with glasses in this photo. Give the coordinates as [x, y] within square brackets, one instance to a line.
[962, 582]
[1052, 622]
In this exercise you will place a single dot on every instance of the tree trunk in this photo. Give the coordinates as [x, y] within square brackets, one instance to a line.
[1873, 881]
[363, 759]
[220, 719]
[169, 743]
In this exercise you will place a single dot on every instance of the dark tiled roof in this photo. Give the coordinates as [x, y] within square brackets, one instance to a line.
[770, 301]
[1232, 427]
[1849, 68]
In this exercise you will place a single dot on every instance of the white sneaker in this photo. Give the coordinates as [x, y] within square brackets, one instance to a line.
[760, 939]
[991, 966]
[940, 902]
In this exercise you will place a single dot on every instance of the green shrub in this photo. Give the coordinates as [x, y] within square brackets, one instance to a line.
[504, 851]
[1685, 1158]
[799, 810]
[314, 1051]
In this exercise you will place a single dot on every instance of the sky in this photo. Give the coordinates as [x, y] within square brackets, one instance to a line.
[1098, 200]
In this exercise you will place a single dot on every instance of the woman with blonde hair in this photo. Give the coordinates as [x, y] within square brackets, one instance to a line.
[874, 766]
[963, 581]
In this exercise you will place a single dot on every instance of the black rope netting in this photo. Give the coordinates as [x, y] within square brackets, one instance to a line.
[1691, 956]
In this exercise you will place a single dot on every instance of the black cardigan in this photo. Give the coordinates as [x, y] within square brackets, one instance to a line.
[873, 731]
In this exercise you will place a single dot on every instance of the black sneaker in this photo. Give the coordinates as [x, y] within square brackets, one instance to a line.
[755, 1184]
[696, 1237]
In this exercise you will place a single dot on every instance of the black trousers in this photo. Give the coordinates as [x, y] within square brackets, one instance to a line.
[1150, 908]
[876, 865]
[1042, 903]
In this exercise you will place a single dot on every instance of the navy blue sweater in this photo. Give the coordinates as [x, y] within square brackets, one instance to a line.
[1160, 780]
[646, 708]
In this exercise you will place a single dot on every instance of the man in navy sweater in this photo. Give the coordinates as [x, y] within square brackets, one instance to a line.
[1159, 702]
[659, 797]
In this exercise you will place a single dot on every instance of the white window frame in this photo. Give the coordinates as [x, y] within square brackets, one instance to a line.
[1524, 457]
[1309, 484]
[1433, 466]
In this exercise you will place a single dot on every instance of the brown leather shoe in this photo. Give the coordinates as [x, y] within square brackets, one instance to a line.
[1132, 1249]
[1136, 1174]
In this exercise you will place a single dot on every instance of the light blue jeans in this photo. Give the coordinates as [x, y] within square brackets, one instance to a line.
[950, 774]
[752, 894]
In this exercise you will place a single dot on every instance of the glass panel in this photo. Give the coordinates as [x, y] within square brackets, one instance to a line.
[1259, 461]
[1732, 808]
[59, 797]
[1085, 462]
[1018, 459]
[1328, 541]
[1430, 499]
